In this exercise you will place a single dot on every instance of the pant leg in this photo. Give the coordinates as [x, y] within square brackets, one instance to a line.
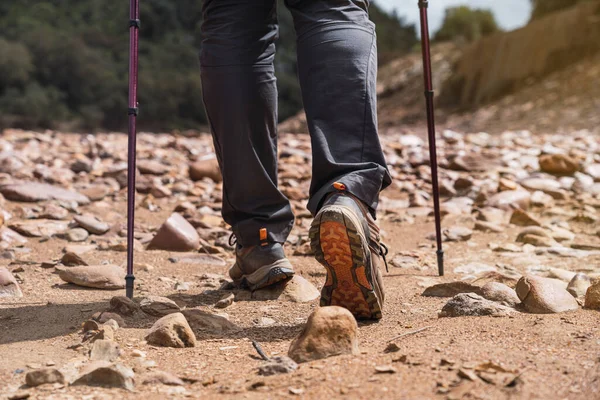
[240, 97]
[337, 62]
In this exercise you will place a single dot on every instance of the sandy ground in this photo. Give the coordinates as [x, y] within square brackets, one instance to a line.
[548, 356]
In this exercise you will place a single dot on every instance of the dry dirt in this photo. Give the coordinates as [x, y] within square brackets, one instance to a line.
[547, 356]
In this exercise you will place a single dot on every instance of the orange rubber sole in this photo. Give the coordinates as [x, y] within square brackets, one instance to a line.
[339, 248]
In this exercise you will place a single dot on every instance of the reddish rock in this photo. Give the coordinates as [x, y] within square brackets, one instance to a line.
[176, 234]
[205, 169]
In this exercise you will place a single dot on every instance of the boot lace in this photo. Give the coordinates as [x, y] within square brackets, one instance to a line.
[232, 239]
[383, 252]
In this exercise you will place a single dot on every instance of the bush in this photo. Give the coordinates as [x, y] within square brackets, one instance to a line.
[464, 23]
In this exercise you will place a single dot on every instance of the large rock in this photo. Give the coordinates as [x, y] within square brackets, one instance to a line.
[208, 168]
[9, 287]
[544, 296]
[558, 164]
[109, 277]
[471, 304]
[34, 192]
[42, 376]
[507, 199]
[592, 296]
[329, 331]
[171, 330]
[500, 293]
[39, 227]
[201, 320]
[92, 224]
[106, 374]
[176, 234]
[297, 290]
[158, 306]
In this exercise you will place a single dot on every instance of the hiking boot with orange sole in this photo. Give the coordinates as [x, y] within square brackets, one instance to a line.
[345, 240]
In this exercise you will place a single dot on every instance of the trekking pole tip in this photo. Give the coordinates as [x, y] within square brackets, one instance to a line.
[440, 260]
[129, 286]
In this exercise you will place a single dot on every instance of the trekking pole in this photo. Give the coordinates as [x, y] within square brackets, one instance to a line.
[423, 4]
[132, 111]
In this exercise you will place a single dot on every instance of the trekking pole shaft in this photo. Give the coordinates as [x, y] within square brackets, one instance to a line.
[134, 25]
[427, 73]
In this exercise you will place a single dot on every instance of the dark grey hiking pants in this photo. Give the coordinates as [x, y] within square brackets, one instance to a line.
[337, 61]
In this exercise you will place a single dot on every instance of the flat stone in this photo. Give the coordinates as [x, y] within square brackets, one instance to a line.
[329, 331]
[297, 290]
[201, 320]
[9, 237]
[471, 304]
[151, 167]
[104, 350]
[34, 192]
[208, 168]
[523, 218]
[558, 164]
[457, 234]
[485, 226]
[176, 234]
[158, 306]
[450, 289]
[71, 260]
[544, 296]
[161, 378]
[92, 224]
[500, 293]
[40, 227]
[109, 277]
[79, 249]
[579, 285]
[96, 192]
[171, 330]
[9, 287]
[277, 365]
[54, 211]
[76, 235]
[106, 374]
[507, 199]
[42, 376]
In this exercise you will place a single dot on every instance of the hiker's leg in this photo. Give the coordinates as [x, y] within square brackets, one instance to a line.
[337, 61]
[240, 97]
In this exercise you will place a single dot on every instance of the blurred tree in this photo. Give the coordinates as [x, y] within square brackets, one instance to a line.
[464, 23]
[67, 61]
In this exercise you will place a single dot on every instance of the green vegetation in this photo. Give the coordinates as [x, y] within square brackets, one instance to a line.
[64, 63]
[464, 23]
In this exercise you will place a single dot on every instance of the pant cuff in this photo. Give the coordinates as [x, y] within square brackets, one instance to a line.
[363, 184]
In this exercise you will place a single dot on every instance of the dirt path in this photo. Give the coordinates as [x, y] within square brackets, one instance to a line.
[531, 356]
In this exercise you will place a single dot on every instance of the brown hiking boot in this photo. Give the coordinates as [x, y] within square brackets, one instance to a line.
[345, 240]
[257, 267]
